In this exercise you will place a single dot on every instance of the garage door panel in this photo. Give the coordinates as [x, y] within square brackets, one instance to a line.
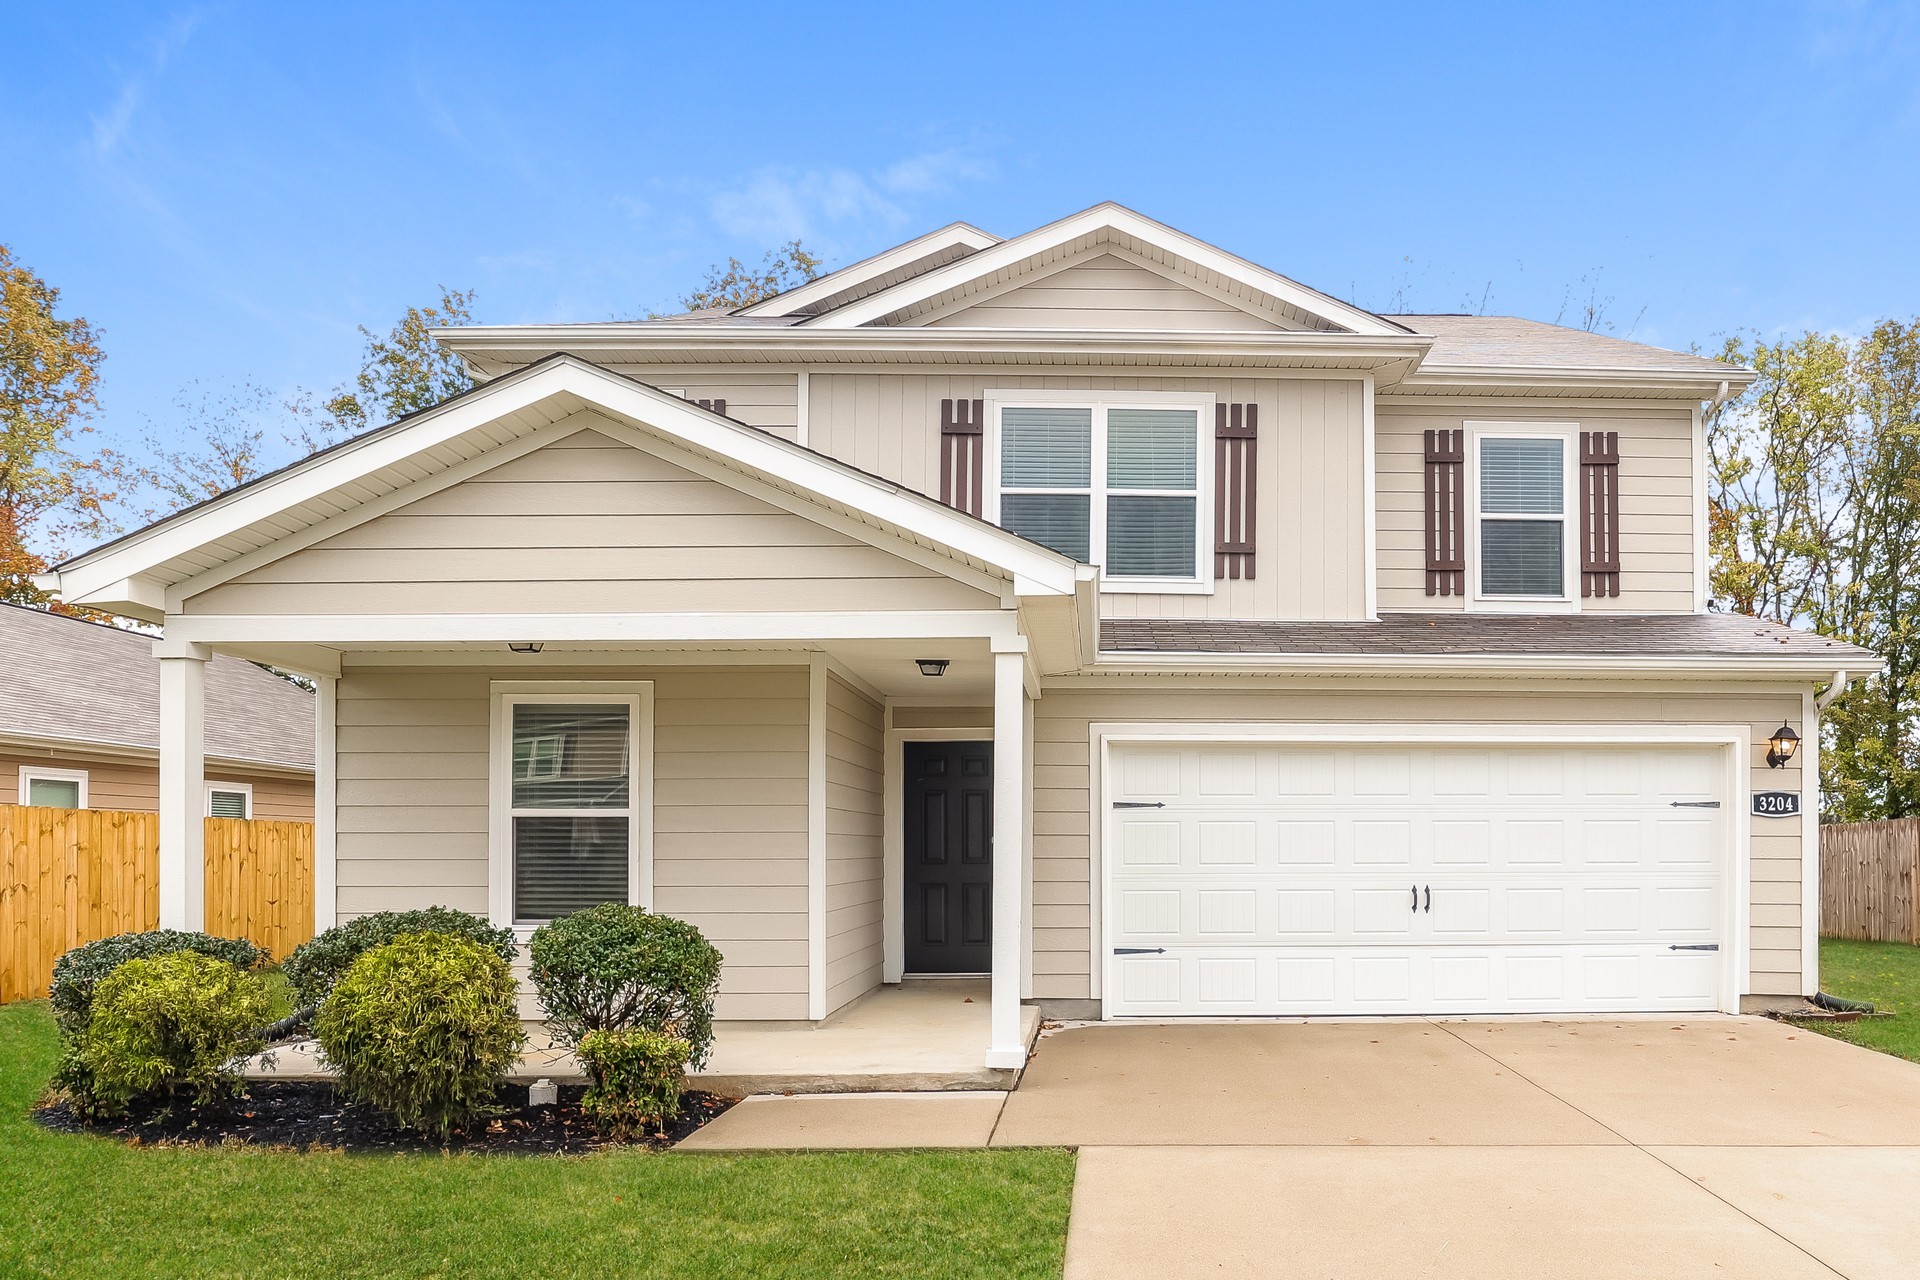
[1274, 879]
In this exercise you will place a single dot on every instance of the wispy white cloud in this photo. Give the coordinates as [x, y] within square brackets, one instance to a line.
[786, 204]
[110, 127]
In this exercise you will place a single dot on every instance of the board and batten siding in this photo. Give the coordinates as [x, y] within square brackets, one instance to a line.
[1065, 890]
[730, 807]
[1656, 501]
[1310, 528]
[855, 865]
[116, 782]
[1102, 292]
[586, 524]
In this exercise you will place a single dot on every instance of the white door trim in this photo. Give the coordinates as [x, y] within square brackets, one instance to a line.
[893, 876]
[1734, 739]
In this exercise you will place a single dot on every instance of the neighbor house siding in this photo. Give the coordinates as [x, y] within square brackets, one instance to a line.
[1310, 532]
[587, 524]
[1656, 500]
[1104, 292]
[855, 739]
[116, 782]
[730, 806]
[1066, 885]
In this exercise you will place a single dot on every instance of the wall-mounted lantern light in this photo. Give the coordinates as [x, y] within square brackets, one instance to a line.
[525, 646]
[932, 666]
[1781, 746]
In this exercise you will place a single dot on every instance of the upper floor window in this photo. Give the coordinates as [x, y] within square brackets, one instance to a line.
[1117, 484]
[1522, 506]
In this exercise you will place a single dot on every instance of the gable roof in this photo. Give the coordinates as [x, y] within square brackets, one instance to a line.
[870, 275]
[87, 684]
[476, 430]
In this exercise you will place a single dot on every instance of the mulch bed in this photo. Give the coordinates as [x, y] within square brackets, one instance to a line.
[303, 1116]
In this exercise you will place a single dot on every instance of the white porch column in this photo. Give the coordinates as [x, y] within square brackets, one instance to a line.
[326, 814]
[183, 784]
[1008, 1048]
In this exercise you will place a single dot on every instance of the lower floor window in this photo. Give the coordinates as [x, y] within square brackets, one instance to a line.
[226, 800]
[53, 788]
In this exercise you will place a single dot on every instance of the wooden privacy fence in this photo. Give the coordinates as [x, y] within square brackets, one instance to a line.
[1867, 880]
[69, 876]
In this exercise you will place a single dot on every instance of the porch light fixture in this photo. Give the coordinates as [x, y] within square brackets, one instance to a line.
[525, 646]
[932, 666]
[1781, 746]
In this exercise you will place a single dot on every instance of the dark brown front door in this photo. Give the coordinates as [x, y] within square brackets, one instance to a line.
[949, 856]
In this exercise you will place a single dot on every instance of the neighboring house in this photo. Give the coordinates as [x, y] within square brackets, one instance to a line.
[80, 724]
[1094, 609]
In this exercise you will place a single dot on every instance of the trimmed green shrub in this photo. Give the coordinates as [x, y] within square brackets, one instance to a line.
[425, 1028]
[169, 1024]
[317, 964]
[634, 1079]
[612, 967]
[78, 973]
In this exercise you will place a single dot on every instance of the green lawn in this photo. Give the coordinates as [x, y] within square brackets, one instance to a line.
[83, 1206]
[1888, 975]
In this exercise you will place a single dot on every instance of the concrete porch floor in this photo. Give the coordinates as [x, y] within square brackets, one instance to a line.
[911, 1038]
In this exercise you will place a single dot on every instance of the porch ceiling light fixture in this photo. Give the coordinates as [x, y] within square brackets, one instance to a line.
[525, 646]
[932, 666]
[1781, 746]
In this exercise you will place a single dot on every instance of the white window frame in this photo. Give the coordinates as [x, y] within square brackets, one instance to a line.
[47, 773]
[1567, 434]
[1098, 402]
[637, 696]
[244, 788]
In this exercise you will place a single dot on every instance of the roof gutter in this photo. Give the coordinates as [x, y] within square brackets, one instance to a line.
[1113, 662]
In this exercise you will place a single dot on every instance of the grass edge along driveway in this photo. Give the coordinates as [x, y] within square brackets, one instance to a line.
[84, 1206]
[1884, 973]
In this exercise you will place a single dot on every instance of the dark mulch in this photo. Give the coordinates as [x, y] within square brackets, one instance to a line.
[304, 1116]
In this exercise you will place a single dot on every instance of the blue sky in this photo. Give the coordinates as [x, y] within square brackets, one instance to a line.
[227, 191]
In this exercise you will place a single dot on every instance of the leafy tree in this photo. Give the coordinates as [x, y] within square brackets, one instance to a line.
[402, 373]
[737, 285]
[49, 374]
[228, 431]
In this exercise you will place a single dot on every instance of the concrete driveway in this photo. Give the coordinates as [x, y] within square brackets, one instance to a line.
[1604, 1149]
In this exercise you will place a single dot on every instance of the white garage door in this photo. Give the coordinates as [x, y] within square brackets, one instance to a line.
[1271, 879]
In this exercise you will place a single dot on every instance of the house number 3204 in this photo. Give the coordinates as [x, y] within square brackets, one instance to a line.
[1776, 804]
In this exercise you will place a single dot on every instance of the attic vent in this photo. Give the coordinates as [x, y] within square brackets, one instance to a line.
[1599, 513]
[963, 454]
[1236, 429]
[1446, 513]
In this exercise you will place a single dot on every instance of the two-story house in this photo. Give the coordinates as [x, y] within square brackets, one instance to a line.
[1093, 609]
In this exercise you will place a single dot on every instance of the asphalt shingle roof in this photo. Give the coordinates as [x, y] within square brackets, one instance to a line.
[89, 683]
[1478, 634]
[1511, 342]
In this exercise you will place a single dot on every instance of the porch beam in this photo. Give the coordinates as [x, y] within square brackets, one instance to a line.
[1008, 1049]
[561, 628]
[183, 784]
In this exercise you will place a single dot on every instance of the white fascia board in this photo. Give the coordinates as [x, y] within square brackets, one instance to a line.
[672, 417]
[557, 628]
[1458, 664]
[953, 235]
[1696, 383]
[1103, 217]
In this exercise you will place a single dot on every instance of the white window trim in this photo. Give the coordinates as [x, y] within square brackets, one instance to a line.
[244, 788]
[637, 695]
[1099, 402]
[1567, 433]
[46, 773]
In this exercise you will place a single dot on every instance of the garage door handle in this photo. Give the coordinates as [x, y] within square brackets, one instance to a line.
[1696, 804]
[1429, 899]
[1694, 946]
[1139, 951]
[1139, 804]
[1415, 890]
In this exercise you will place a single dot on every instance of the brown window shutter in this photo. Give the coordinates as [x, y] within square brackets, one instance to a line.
[714, 406]
[1599, 513]
[1446, 513]
[1236, 429]
[963, 454]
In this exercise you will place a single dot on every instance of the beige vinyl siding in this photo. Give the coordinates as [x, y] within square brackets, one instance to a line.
[117, 782]
[1065, 886]
[766, 398]
[730, 807]
[1656, 501]
[855, 867]
[1102, 292]
[587, 524]
[1310, 529]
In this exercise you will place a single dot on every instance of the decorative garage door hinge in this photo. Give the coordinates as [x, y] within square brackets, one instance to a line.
[1139, 951]
[1139, 804]
[1696, 804]
[1694, 946]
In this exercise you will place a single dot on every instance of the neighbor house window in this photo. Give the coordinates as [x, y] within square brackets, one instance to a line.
[53, 788]
[568, 793]
[229, 800]
[1114, 484]
[1523, 522]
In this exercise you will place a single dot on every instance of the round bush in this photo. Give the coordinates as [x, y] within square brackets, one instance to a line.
[635, 1078]
[612, 967]
[78, 973]
[425, 1028]
[317, 964]
[167, 1024]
